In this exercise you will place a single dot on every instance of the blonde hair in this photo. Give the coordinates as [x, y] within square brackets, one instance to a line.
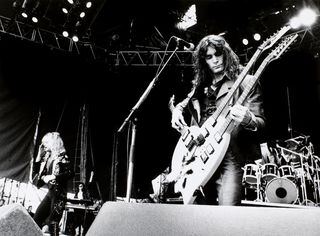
[53, 142]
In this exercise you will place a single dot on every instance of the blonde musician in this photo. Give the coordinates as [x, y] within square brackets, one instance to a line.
[54, 172]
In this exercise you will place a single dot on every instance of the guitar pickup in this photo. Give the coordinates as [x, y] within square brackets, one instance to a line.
[218, 137]
[212, 122]
[207, 152]
[206, 132]
[190, 143]
[185, 135]
[188, 139]
[204, 157]
[209, 149]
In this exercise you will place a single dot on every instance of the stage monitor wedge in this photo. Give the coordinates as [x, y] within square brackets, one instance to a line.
[137, 219]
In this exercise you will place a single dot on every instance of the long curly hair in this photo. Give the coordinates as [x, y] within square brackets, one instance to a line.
[53, 142]
[202, 73]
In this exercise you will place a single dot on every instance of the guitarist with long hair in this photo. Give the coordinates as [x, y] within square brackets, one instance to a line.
[216, 68]
[54, 172]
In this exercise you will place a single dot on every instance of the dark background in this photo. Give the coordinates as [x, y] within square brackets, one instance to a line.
[60, 82]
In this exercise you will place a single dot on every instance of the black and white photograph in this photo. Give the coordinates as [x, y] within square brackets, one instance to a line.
[172, 117]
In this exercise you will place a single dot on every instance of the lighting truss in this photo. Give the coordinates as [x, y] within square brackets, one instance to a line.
[49, 38]
[90, 51]
[153, 58]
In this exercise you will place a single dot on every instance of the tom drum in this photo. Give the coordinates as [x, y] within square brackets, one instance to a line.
[269, 171]
[250, 174]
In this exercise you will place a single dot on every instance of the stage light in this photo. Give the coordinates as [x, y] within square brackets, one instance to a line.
[65, 10]
[24, 14]
[65, 33]
[75, 38]
[245, 41]
[189, 19]
[307, 17]
[295, 22]
[82, 14]
[257, 36]
[88, 4]
[24, 9]
[34, 19]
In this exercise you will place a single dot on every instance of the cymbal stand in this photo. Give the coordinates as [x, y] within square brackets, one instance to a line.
[259, 197]
[315, 174]
[303, 182]
[316, 180]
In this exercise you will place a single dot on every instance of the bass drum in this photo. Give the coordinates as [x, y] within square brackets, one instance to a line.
[281, 190]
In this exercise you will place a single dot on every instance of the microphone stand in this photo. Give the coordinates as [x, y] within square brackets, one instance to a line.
[290, 130]
[130, 117]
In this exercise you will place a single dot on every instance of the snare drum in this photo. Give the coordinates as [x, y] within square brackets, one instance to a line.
[250, 174]
[269, 171]
[287, 171]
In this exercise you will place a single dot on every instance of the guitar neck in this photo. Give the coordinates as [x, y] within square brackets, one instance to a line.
[237, 83]
[267, 44]
[221, 108]
[273, 55]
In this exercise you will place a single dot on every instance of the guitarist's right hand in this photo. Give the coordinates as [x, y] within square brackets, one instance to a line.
[177, 119]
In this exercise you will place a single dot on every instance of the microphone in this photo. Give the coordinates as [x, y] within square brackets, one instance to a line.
[182, 43]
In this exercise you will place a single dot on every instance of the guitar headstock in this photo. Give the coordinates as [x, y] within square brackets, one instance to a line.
[269, 42]
[282, 47]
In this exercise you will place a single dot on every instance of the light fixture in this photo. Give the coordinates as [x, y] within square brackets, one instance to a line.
[257, 36]
[34, 19]
[65, 10]
[306, 17]
[24, 14]
[189, 19]
[65, 33]
[245, 41]
[88, 4]
[75, 38]
[295, 22]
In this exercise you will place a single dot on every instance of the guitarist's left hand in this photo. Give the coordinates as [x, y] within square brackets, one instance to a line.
[241, 114]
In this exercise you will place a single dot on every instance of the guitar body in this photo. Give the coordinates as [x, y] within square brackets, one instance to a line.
[192, 167]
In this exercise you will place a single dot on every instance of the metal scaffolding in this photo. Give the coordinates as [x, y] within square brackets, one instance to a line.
[153, 58]
[48, 38]
[116, 58]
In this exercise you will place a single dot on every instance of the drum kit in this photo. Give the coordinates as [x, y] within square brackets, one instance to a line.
[288, 173]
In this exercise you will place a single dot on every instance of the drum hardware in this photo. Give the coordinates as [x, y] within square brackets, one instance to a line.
[283, 184]
[290, 155]
[307, 189]
[290, 173]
